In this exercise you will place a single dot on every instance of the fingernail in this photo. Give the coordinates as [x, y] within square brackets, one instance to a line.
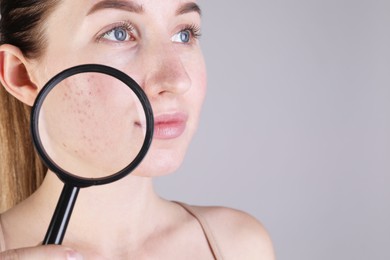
[73, 255]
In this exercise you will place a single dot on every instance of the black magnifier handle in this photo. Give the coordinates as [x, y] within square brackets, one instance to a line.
[59, 222]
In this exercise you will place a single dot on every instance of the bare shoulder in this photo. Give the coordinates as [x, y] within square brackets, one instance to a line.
[239, 235]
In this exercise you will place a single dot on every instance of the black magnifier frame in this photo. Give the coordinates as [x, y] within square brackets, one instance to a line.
[73, 183]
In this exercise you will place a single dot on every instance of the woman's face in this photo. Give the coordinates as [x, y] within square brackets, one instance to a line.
[153, 41]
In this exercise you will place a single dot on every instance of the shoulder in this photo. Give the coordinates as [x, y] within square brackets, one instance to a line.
[238, 234]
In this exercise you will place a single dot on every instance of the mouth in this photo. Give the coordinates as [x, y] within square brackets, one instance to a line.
[169, 126]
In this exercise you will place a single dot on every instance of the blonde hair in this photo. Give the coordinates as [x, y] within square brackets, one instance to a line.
[21, 171]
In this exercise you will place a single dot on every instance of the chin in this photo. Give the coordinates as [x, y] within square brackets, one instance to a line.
[164, 156]
[159, 163]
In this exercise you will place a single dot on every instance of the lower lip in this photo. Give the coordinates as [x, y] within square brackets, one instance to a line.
[169, 129]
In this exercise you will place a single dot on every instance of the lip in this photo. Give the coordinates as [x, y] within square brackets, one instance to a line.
[169, 126]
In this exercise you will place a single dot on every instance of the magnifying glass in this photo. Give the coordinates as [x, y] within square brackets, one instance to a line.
[91, 125]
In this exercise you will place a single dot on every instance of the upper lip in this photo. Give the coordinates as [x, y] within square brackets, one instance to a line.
[166, 118]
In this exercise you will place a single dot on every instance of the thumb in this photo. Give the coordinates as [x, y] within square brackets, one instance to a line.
[51, 252]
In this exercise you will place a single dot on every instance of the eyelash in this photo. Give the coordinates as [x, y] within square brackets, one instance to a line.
[125, 25]
[129, 27]
[194, 29]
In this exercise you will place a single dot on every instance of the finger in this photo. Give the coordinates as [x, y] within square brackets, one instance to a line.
[41, 253]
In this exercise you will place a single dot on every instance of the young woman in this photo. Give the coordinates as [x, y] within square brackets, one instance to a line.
[156, 43]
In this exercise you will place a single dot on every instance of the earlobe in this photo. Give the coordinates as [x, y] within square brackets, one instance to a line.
[14, 75]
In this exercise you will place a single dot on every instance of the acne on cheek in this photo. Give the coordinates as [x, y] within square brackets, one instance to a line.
[80, 97]
[94, 106]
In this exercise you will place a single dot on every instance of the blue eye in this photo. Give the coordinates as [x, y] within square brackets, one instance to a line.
[187, 35]
[121, 32]
[117, 34]
[182, 36]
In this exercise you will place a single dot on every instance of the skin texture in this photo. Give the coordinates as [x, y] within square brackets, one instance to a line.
[92, 125]
[173, 75]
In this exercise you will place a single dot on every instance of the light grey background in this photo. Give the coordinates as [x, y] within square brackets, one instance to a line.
[296, 124]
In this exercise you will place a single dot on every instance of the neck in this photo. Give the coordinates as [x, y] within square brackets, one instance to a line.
[107, 214]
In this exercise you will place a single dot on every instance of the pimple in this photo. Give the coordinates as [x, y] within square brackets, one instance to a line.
[65, 96]
[88, 104]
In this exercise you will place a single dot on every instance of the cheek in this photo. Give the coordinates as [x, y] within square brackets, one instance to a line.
[198, 89]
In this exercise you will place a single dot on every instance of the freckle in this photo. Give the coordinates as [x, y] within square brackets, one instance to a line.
[64, 145]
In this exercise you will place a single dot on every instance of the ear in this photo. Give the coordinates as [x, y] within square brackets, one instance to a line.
[14, 75]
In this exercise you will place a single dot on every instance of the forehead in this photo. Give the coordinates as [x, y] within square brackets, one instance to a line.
[72, 12]
[140, 6]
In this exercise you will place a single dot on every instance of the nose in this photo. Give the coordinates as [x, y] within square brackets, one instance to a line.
[166, 72]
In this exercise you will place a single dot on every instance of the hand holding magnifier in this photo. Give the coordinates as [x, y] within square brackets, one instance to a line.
[91, 125]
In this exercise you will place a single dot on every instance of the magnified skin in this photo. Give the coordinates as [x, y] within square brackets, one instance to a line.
[92, 125]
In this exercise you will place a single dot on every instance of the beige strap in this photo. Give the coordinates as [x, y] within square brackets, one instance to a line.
[2, 240]
[206, 230]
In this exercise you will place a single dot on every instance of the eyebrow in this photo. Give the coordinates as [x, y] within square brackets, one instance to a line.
[188, 8]
[136, 8]
[116, 4]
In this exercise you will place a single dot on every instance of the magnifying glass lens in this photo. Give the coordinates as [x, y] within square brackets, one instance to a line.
[91, 125]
